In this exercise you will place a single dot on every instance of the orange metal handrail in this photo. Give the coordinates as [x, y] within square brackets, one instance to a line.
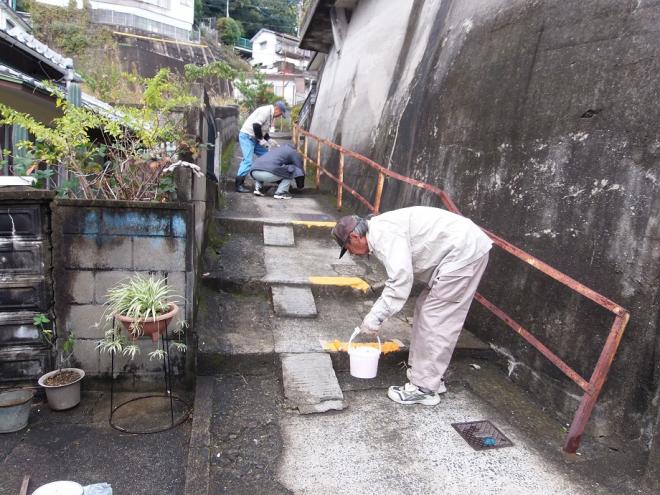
[593, 386]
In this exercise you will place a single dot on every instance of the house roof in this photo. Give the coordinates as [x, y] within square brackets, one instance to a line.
[88, 101]
[31, 51]
[282, 35]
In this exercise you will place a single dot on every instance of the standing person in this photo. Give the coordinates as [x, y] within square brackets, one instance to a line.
[445, 251]
[254, 138]
[282, 166]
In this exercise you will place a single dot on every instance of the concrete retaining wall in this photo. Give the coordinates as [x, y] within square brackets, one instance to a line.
[539, 118]
[102, 243]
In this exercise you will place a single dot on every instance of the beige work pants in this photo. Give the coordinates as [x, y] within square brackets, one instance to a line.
[439, 316]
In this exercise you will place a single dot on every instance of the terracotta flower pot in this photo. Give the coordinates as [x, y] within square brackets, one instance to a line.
[150, 326]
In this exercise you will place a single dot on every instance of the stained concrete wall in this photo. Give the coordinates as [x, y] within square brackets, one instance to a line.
[539, 118]
[98, 244]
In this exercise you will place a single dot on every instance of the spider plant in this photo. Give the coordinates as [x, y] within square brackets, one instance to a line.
[140, 298]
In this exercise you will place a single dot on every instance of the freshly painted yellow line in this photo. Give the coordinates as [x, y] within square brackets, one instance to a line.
[328, 225]
[339, 346]
[354, 282]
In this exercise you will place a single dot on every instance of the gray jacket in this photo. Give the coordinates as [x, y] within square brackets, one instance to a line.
[283, 161]
[419, 243]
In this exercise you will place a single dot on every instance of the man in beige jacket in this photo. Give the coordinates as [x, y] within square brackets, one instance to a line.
[445, 251]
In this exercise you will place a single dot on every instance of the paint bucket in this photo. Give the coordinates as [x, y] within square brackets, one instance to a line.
[60, 488]
[364, 360]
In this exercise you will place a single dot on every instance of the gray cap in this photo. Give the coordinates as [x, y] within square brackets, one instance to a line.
[343, 229]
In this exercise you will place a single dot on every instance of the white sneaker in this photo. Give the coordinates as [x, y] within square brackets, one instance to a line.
[282, 196]
[441, 390]
[411, 394]
[257, 191]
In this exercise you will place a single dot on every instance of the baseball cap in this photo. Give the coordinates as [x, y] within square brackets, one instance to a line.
[282, 106]
[342, 229]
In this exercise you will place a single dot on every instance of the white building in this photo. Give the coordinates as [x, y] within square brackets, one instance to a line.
[271, 50]
[278, 57]
[170, 18]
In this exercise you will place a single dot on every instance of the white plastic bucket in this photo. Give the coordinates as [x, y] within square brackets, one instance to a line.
[60, 488]
[364, 360]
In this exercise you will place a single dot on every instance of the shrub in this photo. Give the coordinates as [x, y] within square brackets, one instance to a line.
[229, 30]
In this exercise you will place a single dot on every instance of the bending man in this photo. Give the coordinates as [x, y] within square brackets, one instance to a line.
[254, 138]
[445, 251]
[282, 166]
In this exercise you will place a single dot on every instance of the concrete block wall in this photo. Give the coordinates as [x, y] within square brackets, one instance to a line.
[99, 244]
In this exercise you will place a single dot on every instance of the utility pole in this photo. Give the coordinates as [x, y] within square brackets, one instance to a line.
[227, 9]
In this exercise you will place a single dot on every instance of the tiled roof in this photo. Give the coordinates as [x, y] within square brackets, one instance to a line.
[88, 101]
[30, 44]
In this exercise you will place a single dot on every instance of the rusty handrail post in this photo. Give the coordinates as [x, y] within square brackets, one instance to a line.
[588, 401]
[379, 192]
[318, 164]
[340, 184]
[295, 136]
[305, 155]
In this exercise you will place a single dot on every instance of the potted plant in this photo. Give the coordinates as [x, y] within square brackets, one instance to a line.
[63, 384]
[141, 306]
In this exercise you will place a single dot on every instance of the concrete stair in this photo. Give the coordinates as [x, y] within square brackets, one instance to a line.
[276, 295]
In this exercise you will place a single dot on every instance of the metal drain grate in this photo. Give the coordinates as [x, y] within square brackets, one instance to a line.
[482, 435]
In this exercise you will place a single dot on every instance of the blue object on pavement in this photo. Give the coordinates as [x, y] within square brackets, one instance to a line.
[489, 441]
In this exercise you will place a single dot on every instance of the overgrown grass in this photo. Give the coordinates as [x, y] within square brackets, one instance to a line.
[227, 156]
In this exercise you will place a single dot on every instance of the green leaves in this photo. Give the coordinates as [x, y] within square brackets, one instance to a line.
[218, 69]
[40, 320]
[277, 15]
[255, 90]
[48, 336]
[139, 298]
[229, 30]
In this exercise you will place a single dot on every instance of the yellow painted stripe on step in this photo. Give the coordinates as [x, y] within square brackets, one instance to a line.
[307, 224]
[339, 346]
[354, 282]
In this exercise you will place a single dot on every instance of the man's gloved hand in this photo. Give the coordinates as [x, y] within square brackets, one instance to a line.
[369, 328]
[264, 143]
[272, 143]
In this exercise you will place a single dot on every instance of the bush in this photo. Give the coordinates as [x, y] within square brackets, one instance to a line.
[256, 91]
[229, 30]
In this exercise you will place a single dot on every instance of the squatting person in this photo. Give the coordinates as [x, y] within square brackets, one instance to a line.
[254, 138]
[445, 251]
[282, 166]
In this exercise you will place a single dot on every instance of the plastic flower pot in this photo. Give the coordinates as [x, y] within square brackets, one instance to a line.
[149, 326]
[14, 410]
[61, 397]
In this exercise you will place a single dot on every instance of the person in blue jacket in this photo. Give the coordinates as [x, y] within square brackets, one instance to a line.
[283, 166]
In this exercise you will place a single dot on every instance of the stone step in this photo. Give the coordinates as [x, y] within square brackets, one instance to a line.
[278, 235]
[249, 224]
[238, 331]
[310, 383]
[234, 333]
[297, 302]
[241, 262]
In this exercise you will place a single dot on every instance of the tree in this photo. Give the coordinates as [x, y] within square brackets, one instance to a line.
[276, 15]
[229, 30]
[255, 90]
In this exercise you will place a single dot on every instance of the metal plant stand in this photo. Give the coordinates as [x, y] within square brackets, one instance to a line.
[167, 374]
